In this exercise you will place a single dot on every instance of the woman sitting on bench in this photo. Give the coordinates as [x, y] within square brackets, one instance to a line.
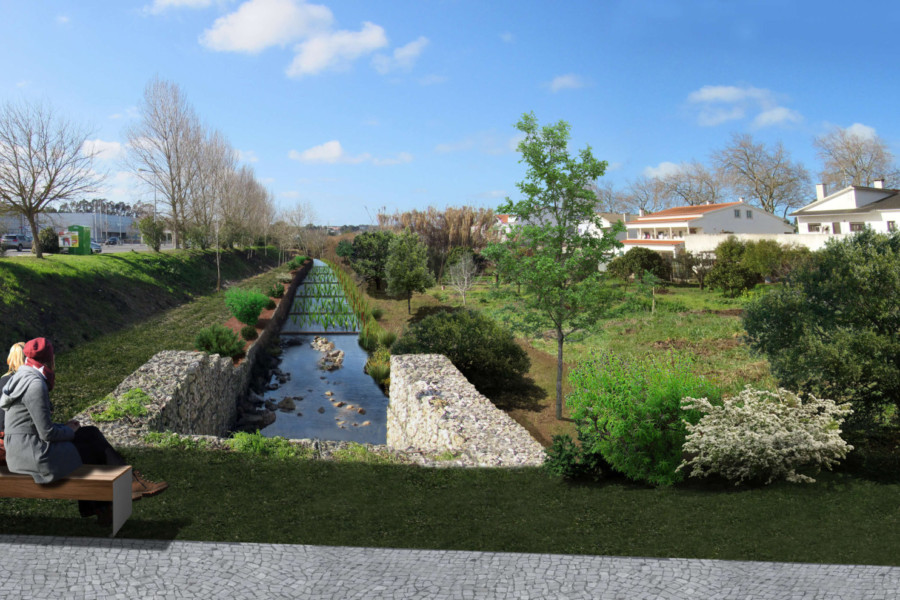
[48, 451]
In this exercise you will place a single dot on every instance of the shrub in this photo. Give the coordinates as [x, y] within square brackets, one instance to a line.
[132, 403]
[386, 338]
[629, 410]
[218, 339]
[566, 459]
[835, 330]
[639, 260]
[277, 290]
[49, 240]
[270, 304]
[296, 262]
[357, 453]
[245, 305]
[483, 350]
[377, 313]
[259, 445]
[729, 274]
[379, 365]
[248, 332]
[760, 435]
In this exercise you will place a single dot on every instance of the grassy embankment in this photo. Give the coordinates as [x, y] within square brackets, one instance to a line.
[108, 314]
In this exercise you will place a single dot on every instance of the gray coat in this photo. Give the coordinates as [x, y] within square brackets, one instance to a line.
[34, 444]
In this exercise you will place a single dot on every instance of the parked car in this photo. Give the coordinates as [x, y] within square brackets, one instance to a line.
[96, 247]
[112, 241]
[16, 241]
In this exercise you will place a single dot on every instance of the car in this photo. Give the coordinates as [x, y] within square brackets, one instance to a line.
[96, 247]
[16, 241]
[112, 241]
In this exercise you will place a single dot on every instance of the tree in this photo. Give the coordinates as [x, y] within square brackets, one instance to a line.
[835, 331]
[462, 275]
[692, 184]
[163, 147]
[729, 273]
[765, 177]
[370, 254]
[609, 199]
[344, 249]
[646, 194]
[560, 266]
[43, 159]
[406, 268]
[638, 261]
[698, 264]
[855, 156]
[153, 231]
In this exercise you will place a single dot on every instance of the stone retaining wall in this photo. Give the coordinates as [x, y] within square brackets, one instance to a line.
[434, 409]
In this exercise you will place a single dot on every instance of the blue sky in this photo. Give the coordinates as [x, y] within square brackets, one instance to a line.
[357, 105]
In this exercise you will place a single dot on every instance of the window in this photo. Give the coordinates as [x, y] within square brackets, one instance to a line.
[814, 227]
[892, 226]
[737, 213]
[749, 214]
[854, 227]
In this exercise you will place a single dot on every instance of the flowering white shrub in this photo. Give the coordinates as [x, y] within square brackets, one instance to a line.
[760, 434]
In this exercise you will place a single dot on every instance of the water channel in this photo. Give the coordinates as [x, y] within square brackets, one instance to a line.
[343, 404]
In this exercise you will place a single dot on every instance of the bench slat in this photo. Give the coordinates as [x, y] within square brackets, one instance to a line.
[88, 482]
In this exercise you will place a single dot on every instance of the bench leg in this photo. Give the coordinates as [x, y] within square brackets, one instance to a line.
[121, 501]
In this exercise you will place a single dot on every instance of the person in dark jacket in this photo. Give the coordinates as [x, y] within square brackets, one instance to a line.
[49, 451]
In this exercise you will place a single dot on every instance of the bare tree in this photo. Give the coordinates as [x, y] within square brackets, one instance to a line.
[646, 194]
[852, 157]
[765, 177]
[462, 275]
[297, 218]
[43, 159]
[162, 148]
[609, 199]
[693, 184]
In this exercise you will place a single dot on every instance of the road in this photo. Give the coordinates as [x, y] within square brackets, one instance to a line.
[106, 249]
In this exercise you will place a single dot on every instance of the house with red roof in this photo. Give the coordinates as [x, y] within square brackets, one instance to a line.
[667, 230]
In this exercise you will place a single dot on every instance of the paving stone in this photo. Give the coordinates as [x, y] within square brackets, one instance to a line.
[57, 567]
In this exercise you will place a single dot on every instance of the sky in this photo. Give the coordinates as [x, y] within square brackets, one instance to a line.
[357, 106]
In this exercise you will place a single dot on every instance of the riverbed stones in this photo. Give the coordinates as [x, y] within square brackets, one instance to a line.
[287, 404]
[332, 358]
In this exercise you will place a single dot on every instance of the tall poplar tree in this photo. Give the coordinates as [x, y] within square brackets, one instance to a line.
[559, 266]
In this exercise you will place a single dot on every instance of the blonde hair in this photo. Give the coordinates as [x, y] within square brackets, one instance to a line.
[16, 357]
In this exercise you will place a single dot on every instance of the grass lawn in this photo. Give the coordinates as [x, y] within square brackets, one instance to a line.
[221, 496]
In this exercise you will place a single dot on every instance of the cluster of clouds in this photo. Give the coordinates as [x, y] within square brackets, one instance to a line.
[718, 104]
[332, 153]
[308, 29]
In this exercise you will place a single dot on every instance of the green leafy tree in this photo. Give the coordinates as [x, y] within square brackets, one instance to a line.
[369, 255]
[638, 261]
[406, 269]
[344, 249]
[835, 331]
[153, 231]
[729, 273]
[558, 266]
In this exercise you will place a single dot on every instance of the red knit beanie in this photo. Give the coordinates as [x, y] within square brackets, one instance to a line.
[40, 350]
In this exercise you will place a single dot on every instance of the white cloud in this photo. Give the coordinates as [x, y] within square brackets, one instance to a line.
[507, 37]
[432, 79]
[863, 132]
[566, 82]
[130, 113]
[403, 58]
[513, 143]
[328, 153]
[335, 49]
[103, 150]
[332, 153]
[62, 19]
[159, 6]
[661, 170]
[614, 166]
[290, 195]
[260, 24]
[400, 159]
[23, 83]
[247, 156]
[717, 104]
[486, 142]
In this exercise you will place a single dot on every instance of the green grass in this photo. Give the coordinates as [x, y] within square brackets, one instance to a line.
[218, 496]
[87, 373]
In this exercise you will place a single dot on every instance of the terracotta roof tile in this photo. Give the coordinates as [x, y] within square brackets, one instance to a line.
[682, 212]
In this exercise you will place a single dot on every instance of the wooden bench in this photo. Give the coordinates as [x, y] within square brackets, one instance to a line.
[87, 482]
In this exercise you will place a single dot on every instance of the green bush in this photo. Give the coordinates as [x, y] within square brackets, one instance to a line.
[835, 330]
[248, 332]
[484, 351]
[296, 262]
[377, 313]
[270, 304]
[730, 275]
[379, 365]
[629, 410]
[133, 403]
[245, 305]
[218, 339]
[566, 459]
[277, 290]
[49, 240]
[637, 261]
[386, 338]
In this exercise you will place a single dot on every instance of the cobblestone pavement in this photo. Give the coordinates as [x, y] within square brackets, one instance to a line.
[51, 567]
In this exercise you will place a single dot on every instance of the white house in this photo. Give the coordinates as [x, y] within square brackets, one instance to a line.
[607, 220]
[668, 230]
[850, 210]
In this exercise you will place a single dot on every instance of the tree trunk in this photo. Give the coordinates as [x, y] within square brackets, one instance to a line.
[35, 238]
[409, 303]
[559, 372]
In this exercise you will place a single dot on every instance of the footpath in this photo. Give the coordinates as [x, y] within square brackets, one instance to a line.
[56, 567]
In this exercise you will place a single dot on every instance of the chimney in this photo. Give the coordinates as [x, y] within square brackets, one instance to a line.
[878, 184]
[821, 191]
[641, 212]
[741, 199]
